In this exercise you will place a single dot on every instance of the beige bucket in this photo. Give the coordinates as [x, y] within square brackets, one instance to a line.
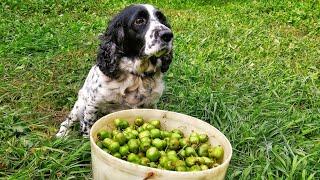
[105, 166]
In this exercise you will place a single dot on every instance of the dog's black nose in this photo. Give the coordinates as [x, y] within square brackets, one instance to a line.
[166, 35]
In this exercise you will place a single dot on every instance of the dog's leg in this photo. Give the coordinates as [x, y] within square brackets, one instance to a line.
[72, 117]
[90, 116]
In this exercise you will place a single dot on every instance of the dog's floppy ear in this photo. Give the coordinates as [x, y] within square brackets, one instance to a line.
[166, 61]
[110, 49]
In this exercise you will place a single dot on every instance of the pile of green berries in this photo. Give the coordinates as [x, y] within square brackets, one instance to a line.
[145, 143]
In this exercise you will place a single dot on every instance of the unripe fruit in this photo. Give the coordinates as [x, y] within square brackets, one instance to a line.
[203, 138]
[190, 151]
[120, 138]
[114, 147]
[153, 154]
[203, 150]
[155, 123]
[190, 161]
[133, 145]
[139, 121]
[102, 134]
[216, 152]
[144, 133]
[155, 133]
[124, 150]
[173, 143]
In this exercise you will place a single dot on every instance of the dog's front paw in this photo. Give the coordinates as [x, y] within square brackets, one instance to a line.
[62, 134]
[85, 135]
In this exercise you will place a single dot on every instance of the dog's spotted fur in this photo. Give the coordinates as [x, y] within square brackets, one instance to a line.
[124, 77]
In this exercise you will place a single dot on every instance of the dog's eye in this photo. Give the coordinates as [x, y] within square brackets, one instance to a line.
[140, 21]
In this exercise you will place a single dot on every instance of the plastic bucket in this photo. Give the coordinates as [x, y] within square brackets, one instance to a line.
[105, 166]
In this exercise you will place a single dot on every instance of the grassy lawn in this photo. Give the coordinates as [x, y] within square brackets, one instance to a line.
[250, 68]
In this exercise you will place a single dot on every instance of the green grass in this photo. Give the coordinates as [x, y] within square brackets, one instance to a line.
[250, 68]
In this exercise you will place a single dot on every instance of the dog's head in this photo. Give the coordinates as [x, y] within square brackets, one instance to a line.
[138, 35]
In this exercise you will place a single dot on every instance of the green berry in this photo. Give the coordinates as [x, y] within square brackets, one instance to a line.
[102, 134]
[155, 123]
[155, 133]
[173, 143]
[143, 134]
[169, 165]
[163, 160]
[153, 154]
[140, 129]
[145, 139]
[149, 127]
[117, 122]
[165, 134]
[135, 132]
[120, 138]
[184, 142]
[200, 160]
[129, 135]
[190, 151]
[144, 161]
[167, 140]
[128, 129]
[216, 152]
[207, 161]
[117, 155]
[163, 153]
[144, 146]
[173, 158]
[124, 124]
[181, 168]
[171, 153]
[133, 145]
[190, 161]
[194, 139]
[182, 154]
[121, 123]
[203, 167]
[176, 135]
[159, 144]
[124, 150]
[203, 138]
[115, 132]
[133, 158]
[195, 168]
[203, 150]
[180, 163]
[132, 126]
[139, 121]
[106, 142]
[114, 147]
[144, 126]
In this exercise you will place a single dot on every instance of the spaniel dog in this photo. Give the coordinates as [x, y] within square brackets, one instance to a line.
[134, 53]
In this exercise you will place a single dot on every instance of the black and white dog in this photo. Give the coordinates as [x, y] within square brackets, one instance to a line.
[135, 51]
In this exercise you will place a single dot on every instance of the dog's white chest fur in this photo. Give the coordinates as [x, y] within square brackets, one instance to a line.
[128, 91]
